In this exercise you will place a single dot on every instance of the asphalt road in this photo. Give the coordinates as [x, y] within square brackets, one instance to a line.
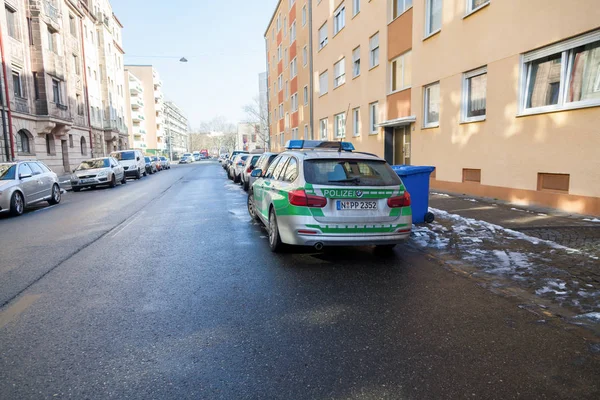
[164, 289]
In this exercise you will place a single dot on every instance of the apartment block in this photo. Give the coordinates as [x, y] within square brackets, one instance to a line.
[153, 107]
[176, 129]
[134, 104]
[506, 96]
[248, 136]
[288, 48]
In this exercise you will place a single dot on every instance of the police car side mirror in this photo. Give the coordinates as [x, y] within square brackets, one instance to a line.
[257, 173]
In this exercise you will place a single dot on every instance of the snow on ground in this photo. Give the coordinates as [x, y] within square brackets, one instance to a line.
[541, 267]
[592, 219]
[441, 194]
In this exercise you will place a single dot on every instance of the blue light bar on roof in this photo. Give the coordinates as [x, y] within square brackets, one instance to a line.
[319, 145]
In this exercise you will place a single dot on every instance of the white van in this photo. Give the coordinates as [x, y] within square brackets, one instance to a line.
[133, 162]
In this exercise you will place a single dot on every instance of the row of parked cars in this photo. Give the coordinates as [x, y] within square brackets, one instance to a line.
[26, 183]
[321, 193]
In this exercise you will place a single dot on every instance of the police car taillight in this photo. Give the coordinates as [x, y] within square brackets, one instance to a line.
[399, 201]
[301, 199]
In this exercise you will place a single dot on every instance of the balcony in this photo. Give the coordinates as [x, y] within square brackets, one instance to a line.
[139, 145]
[135, 88]
[52, 14]
[137, 117]
[136, 103]
[138, 130]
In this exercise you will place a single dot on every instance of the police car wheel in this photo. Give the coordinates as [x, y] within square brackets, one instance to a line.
[274, 239]
[251, 209]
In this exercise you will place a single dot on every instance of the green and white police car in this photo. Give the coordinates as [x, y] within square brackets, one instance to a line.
[323, 194]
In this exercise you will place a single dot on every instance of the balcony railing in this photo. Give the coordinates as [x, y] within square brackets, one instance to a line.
[52, 11]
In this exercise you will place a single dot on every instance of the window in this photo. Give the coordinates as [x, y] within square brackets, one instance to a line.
[356, 122]
[474, 95]
[293, 68]
[401, 69]
[339, 125]
[11, 22]
[51, 44]
[355, 7]
[339, 19]
[79, 104]
[295, 102]
[23, 145]
[282, 141]
[474, 5]
[292, 3]
[280, 82]
[356, 62]
[17, 87]
[24, 170]
[323, 128]
[304, 15]
[305, 95]
[565, 75]
[73, 25]
[323, 36]
[284, 26]
[285, 56]
[557, 183]
[278, 23]
[304, 56]
[373, 116]
[293, 31]
[399, 7]
[294, 133]
[76, 66]
[374, 47]
[345, 172]
[71, 145]
[56, 91]
[35, 168]
[431, 95]
[433, 18]
[323, 83]
[291, 171]
[281, 111]
[83, 146]
[279, 53]
[339, 69]
[50, 150]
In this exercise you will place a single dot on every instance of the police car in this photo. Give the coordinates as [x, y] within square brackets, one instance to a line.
[320, 193]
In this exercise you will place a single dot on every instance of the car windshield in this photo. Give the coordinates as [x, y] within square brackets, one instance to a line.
[147, 159]
[124, 155]
[7, 172]
[350, 173]
[92, 164]
[163, 159]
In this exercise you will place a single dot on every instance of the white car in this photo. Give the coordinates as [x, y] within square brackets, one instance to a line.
[98, 172]
[322, 194]
[237, 167]
[132, 161]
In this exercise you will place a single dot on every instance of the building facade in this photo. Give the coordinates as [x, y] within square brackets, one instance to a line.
[176, 130]
[248, 136]
[288, 46]
[153, 107]
[134, 106]
[536, 140]
[263, 109]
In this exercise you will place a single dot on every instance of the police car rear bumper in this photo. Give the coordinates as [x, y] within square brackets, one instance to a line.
[351, 240]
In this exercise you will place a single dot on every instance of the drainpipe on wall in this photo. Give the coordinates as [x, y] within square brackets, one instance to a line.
[311, 69]
[85, 88]
[9, 112]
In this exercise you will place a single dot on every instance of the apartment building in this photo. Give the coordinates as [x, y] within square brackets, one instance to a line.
[45, 116]
[153, 110]
[288, 46]
[536, 140]
[248, 136]
[350, 71]
[134, 105]
[176, 129]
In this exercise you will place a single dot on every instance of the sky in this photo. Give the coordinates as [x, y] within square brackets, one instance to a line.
[223, 41]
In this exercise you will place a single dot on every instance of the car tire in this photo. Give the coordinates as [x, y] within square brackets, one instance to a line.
[55, 196]
[124, 180]
[76, 189]
[145, 173]
[138, 174]
[236, 179]
[17, 204]
[251, 207]
[274, 238]
[113, 182]
[246, 186]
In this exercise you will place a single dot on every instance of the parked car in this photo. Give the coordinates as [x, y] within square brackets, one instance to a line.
[230, 160]
[132, 161]
[185, 160]
[158, 163]
[327, 195]
[263, 164]
[247, 169]
[104, 171]
[25, 183]
[150, 166]
[166, 164]
[189, 156]
[231, 170]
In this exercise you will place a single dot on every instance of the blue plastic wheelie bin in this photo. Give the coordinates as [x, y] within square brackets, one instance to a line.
[416, 181]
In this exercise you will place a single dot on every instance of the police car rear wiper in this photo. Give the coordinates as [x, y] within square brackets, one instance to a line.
[354, 180]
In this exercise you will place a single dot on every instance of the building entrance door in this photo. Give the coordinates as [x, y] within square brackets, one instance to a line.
[402, 145]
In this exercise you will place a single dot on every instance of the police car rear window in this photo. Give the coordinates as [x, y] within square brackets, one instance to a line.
[337, 172]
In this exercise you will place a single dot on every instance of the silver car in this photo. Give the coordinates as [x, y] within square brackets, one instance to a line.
[98, 172]
[263, 164]
[25, 183]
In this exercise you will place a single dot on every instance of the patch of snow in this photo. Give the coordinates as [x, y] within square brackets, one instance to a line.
[516, 209]
[592, 219]
[472, 200]
[441, 194]
[594, 316]
[542, 215]
[547, 289]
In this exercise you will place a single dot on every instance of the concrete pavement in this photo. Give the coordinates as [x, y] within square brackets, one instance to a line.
[179, 297]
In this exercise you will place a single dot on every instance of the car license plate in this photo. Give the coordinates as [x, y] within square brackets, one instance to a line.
[356, 205]
[87, 180]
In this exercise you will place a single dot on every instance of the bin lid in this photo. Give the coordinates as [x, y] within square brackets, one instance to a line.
[403, 170]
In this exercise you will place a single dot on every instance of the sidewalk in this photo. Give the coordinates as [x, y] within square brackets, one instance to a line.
[569, 230]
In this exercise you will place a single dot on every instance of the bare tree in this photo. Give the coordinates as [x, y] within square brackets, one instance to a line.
[217, 135]
[258, 113]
